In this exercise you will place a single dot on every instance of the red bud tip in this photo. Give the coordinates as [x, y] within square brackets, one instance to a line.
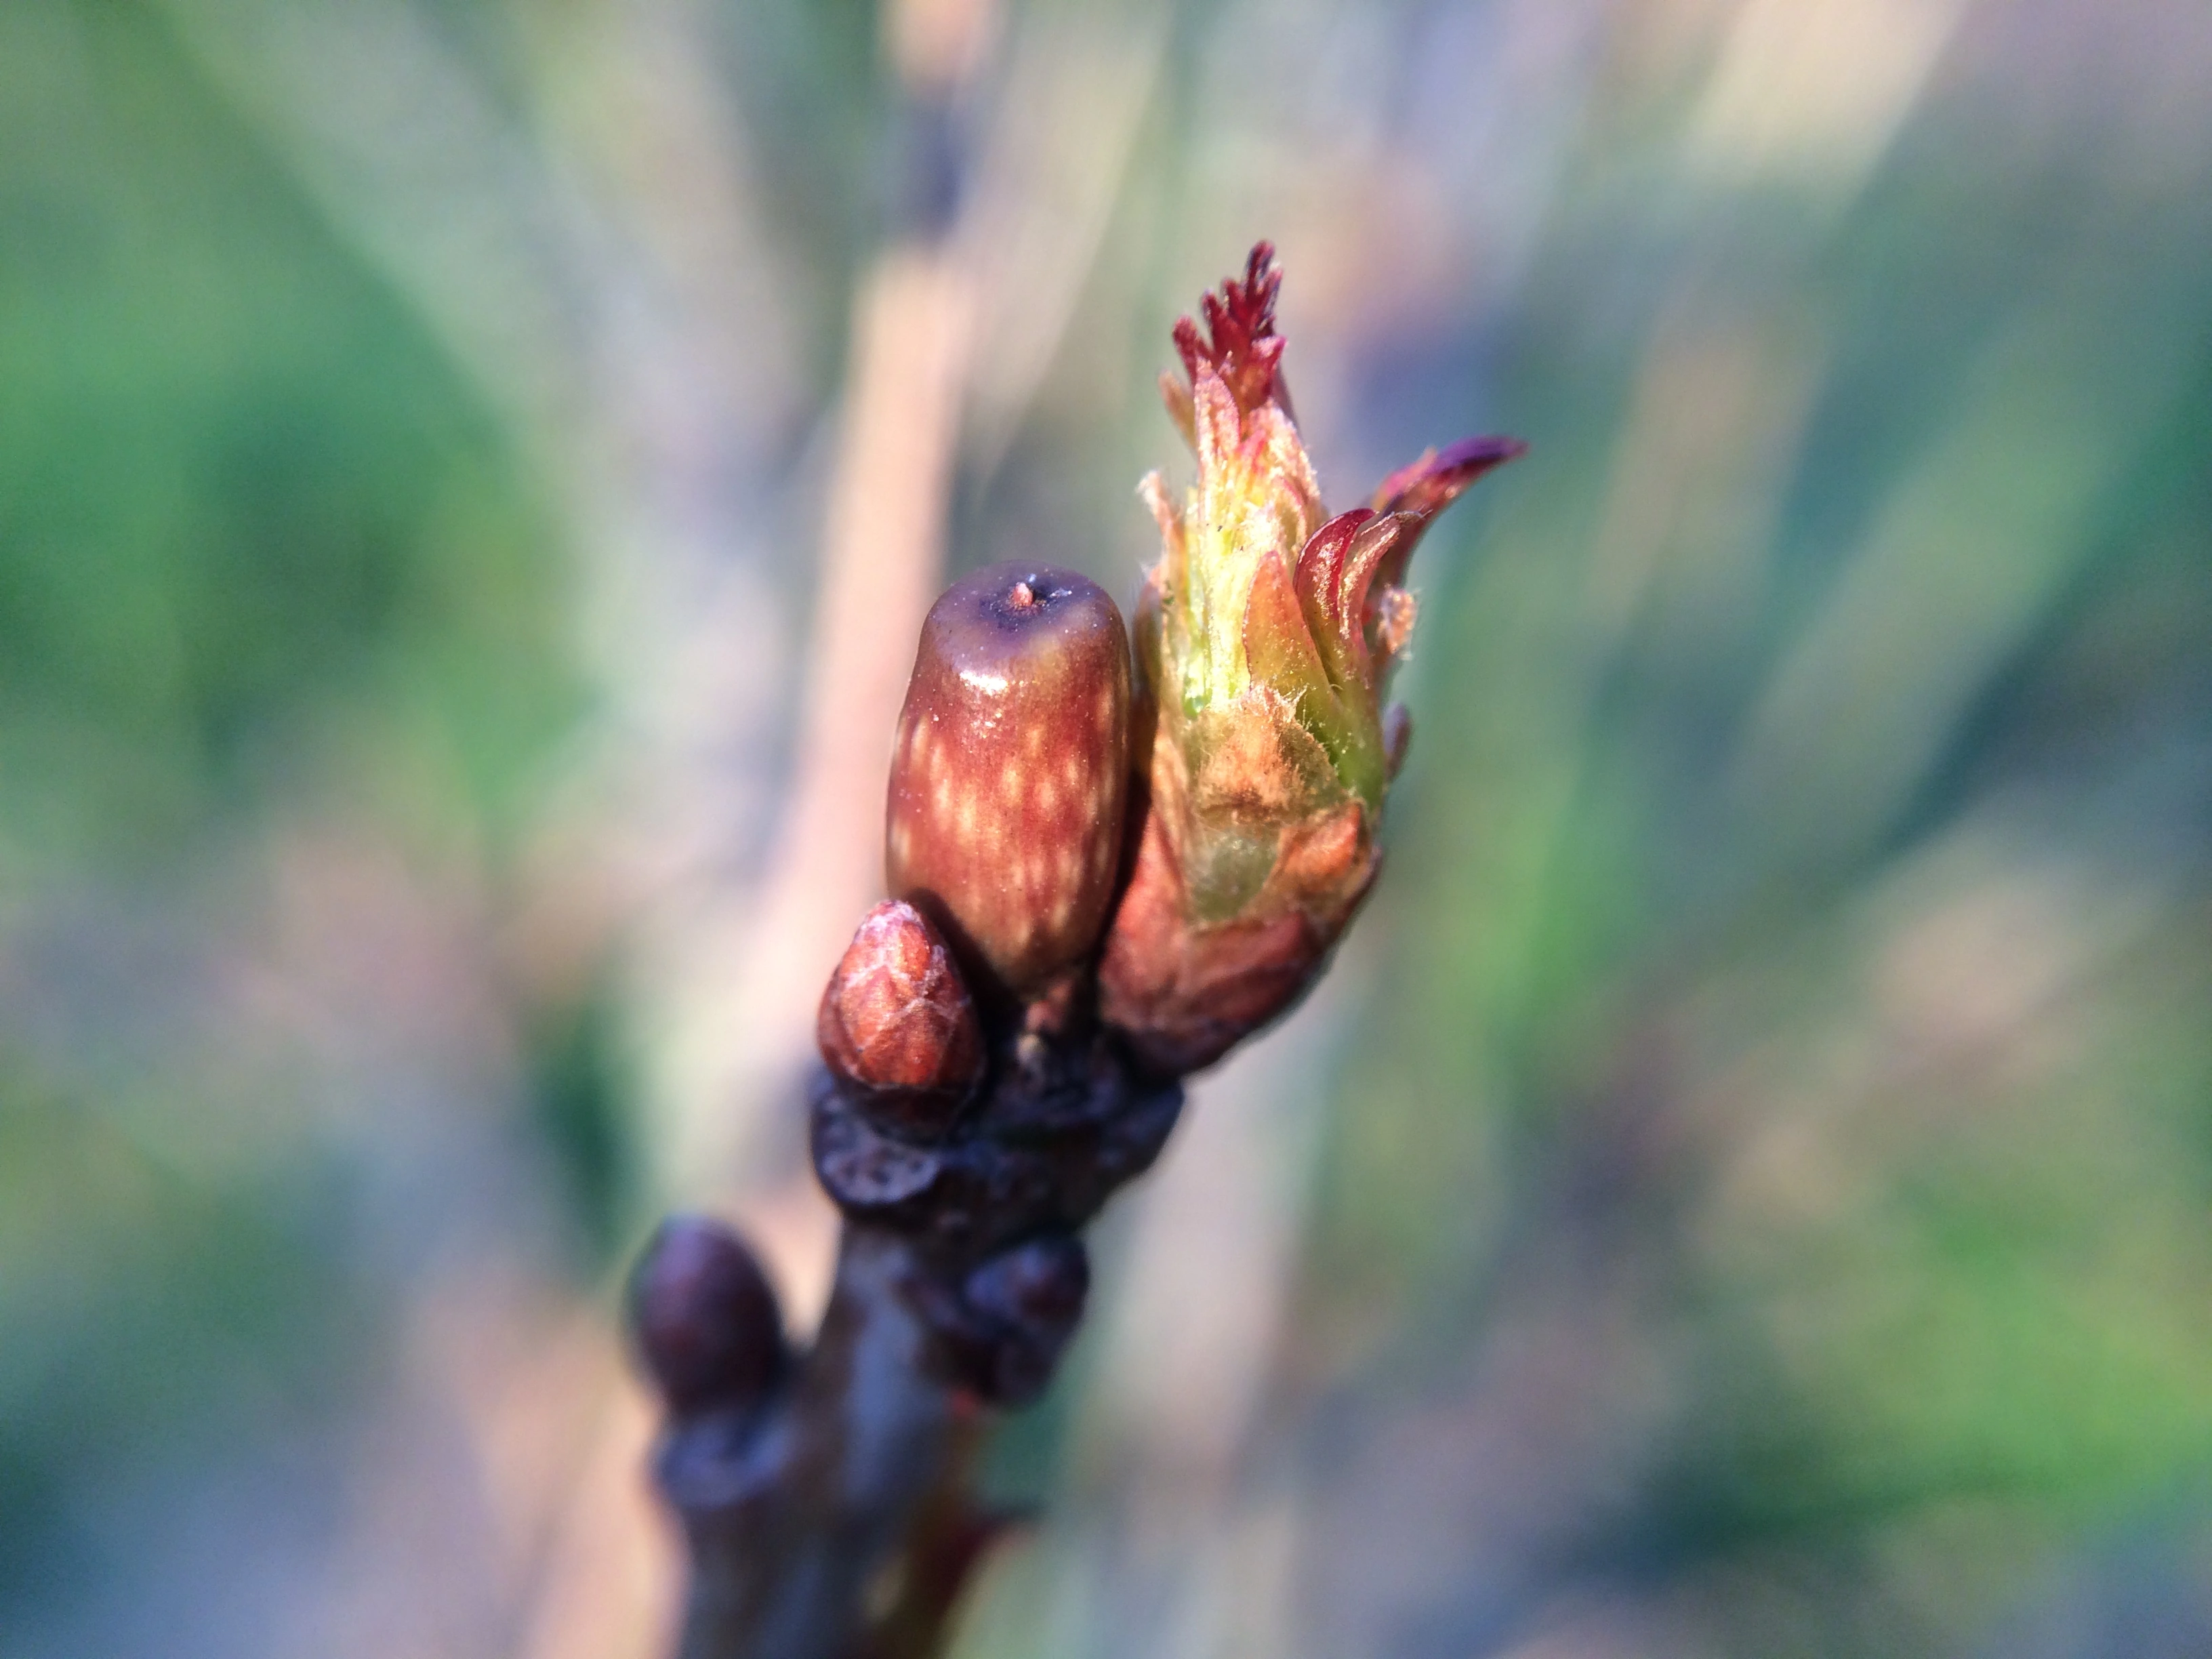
[1238, 341]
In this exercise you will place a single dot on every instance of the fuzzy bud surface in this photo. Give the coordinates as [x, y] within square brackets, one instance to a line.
[1265, 639]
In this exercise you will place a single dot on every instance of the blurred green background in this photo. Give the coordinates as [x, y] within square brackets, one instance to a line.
[1746, 1188]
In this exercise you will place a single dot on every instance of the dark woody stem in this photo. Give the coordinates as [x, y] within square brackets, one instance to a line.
[1002, 1037]
[789, 1524]
[831, 1518]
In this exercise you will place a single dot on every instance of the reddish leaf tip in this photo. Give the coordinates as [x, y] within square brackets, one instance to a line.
[1238, 341]
[1432, 484]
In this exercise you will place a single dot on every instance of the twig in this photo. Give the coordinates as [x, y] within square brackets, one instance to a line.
[1104, 890]
[959, 1279]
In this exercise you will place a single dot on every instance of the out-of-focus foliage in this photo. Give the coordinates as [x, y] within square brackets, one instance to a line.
[262, 558]
[1745, 1190]
[241, 491]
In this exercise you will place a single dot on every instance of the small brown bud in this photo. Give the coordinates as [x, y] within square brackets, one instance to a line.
[704, 1316]
[896, 1019]
[1007, 784]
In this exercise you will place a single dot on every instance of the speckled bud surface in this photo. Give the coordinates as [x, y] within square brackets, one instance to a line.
[1009, 776]
[896, 1017]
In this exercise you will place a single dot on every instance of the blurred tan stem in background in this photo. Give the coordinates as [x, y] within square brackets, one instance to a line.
[602, 273]
[912, 361]
[951, 326]
[882, 553]
[882, 559]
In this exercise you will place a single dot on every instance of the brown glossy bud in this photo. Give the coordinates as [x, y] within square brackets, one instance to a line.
[704, 1317]
[896, 1019]
[1008, 781]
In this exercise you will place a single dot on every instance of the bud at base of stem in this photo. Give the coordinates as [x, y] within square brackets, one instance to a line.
[704, 1317]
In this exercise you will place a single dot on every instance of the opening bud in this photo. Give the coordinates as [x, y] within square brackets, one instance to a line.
[704, 1317]
[1266, 640]
[1012, 766]
[897, 1021]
